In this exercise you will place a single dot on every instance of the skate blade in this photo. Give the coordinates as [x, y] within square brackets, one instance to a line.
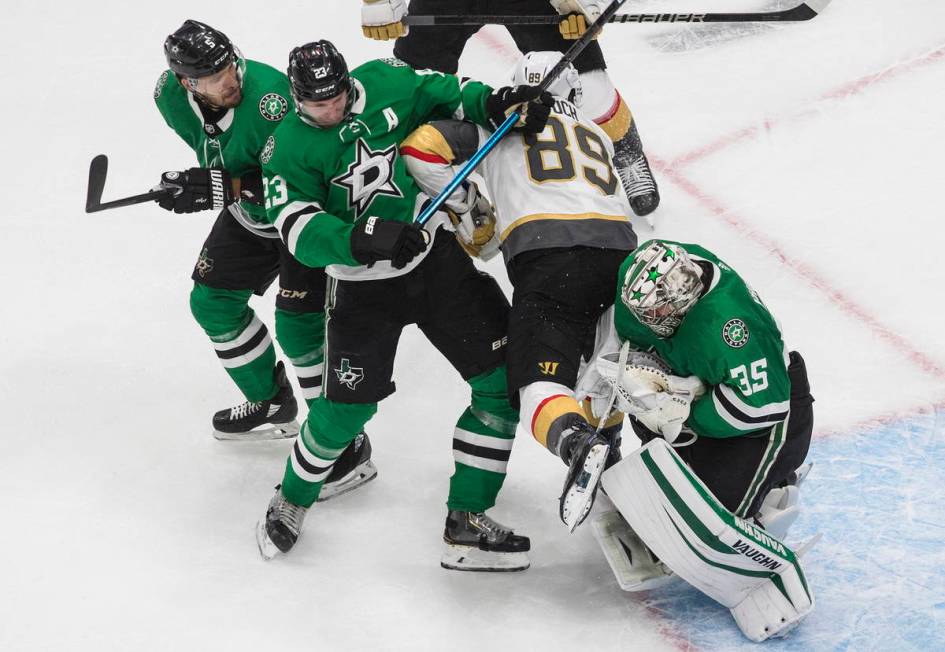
[362, 474]
[579, 497]
[271, 432]
[628, 557]
[267, 549]
[468, 558]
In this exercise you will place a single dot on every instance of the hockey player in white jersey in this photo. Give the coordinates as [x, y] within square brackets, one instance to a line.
[563, 227]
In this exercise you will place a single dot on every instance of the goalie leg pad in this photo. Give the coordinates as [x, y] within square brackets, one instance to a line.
[733, 562]
[634, 565]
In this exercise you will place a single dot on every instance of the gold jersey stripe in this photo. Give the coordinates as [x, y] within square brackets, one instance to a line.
[560, 216]
[428, 139]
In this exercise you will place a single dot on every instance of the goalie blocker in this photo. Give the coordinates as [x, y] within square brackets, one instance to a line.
[739, 565]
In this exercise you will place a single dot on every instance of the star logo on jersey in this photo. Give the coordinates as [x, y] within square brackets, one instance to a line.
[349, 376]
[266, 155]
[204, 264]
[735, 333]
[369, 175]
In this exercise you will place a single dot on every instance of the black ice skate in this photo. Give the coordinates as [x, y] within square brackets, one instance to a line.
[638, 183]
[280, 528]
[586, 452]
[257, 421]
[351, 470]
[474, 542]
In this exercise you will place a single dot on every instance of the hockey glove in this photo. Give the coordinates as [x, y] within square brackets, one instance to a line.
[196, 189]
[474, 220]
[383, 20]
[249, 188]
[375, 239]
[577, 14]
[533, 105]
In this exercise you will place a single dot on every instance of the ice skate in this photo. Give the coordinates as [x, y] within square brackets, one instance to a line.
[261, 420]
[638, 183]
[586, 452]
[351, 470]
[474, 542]
[278, 531]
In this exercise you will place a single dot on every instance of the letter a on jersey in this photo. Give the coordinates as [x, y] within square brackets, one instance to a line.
[369, 175]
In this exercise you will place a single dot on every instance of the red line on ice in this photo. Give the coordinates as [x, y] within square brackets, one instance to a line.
[841, 92]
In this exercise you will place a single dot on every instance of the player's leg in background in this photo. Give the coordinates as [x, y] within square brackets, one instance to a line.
[466, 321]
[363, 326]
[601, 101]
[235, 263]
[436, 48]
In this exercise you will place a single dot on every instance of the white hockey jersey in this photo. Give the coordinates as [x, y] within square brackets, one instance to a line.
[553, 189]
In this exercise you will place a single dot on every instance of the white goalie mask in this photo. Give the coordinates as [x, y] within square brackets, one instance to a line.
[660, 286]
[532, 68]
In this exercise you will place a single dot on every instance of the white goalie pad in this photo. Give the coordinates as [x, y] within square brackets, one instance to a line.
[739, 565]
[634, 565]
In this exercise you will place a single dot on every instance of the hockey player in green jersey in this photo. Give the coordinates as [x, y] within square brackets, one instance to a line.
[225, 107]
[712, 370]
[338, 192]
[725, 415]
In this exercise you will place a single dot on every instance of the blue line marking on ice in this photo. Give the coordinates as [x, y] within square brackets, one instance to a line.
[878, 574]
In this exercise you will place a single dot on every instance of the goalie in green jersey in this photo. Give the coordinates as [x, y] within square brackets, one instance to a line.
[339, 193]
[725, 414]
[225, 107]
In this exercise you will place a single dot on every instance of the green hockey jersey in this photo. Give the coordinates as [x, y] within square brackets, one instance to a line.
[730, 341]
[320, 181]
[234, 141]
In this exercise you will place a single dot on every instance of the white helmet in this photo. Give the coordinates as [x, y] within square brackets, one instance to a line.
[660, 286]
[533, 66]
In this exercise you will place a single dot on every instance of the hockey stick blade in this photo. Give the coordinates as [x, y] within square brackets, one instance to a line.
[98, 170]
[804, 11]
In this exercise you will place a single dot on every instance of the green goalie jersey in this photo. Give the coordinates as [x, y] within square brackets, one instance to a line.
[730, 341]
[234, 140]
[320, 181]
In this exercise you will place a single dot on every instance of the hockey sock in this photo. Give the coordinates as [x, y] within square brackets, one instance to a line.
[241, 340]
[329, 429]
[302, 338]
[482, 444]
[550, 411]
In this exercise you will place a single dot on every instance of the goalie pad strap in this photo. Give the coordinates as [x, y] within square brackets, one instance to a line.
[730, 560]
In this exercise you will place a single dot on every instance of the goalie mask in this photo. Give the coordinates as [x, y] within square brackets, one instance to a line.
[532, 68]
[660, 286]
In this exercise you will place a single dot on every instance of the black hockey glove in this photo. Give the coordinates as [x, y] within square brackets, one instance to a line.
[250, 187]
[196, 189]
[532, 104]
[376, 239]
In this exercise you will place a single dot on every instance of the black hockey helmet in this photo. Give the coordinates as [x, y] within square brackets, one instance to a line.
[196, 50]
[317, 71]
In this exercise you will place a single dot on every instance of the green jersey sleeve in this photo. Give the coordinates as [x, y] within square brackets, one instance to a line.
[441, 96]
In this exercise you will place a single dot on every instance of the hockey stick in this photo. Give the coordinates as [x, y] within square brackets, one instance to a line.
[98, 170]
[804, 11]
[504, 128]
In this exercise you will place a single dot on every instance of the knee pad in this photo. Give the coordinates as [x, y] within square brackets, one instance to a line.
[220, 312]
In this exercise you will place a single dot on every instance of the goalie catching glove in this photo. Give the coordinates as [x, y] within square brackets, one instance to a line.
[383, 20]
[474, 221]
[646, 390]
[196, 189]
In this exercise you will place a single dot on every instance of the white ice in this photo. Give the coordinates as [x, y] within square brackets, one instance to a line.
[126, 526]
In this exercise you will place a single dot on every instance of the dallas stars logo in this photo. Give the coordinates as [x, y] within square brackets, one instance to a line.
[349, 376]
[369, 175]
[273, 107]
[735, 333]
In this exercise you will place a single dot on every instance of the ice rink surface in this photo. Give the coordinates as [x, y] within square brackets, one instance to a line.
[805, 155]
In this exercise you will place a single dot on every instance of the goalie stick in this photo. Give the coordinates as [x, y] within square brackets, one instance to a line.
[98, 170]
[473, 162]
[804, 11]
